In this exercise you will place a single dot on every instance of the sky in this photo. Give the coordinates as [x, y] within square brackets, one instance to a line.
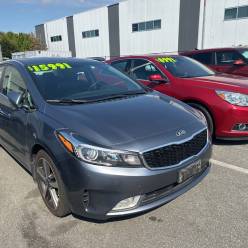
[23, 15]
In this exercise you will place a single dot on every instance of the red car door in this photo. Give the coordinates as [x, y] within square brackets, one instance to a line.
[230, 62]
[241, 70]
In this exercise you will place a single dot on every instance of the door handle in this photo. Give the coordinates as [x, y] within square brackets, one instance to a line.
[6, 115]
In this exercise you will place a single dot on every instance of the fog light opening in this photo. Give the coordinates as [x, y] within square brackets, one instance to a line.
[241, 127]
[127, 203]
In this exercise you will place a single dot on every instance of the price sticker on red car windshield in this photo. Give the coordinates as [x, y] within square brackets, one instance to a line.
[166, 60]
[49, 67]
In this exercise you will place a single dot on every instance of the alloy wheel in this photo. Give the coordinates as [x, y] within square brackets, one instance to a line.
[47, 183]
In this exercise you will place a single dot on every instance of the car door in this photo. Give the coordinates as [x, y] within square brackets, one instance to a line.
[14, 117]
[142, 70]
[225, 62]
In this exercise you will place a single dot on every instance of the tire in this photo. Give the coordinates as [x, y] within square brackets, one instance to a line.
[207, 115]
[50, 185]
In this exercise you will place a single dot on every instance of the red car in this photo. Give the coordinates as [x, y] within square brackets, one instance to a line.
[223, 99]
[224, 60]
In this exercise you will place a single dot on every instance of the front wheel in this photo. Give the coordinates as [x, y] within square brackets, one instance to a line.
[207, 115]
[50, 185]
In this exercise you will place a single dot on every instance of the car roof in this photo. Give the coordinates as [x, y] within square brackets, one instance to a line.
[148, 56]
[213, 50]
[46, 60]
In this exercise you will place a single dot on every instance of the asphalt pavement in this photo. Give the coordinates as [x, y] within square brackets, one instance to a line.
[213, 214]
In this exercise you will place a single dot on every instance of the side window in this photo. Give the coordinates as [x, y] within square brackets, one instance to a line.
[122, 65]
[227, 58]
[13, 81]
[143, 69]
[205, 58]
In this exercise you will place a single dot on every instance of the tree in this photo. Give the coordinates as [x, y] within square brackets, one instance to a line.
[18, 42]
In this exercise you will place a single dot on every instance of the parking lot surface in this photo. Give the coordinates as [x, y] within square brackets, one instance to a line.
[213, 214]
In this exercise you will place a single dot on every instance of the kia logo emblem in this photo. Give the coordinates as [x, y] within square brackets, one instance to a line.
[180, 133]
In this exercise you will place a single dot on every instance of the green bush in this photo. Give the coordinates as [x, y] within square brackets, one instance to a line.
[18, 42]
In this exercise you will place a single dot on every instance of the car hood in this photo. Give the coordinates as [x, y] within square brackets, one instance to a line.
[135, 123]
[226, 80]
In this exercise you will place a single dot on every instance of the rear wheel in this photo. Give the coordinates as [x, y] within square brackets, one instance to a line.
[207, 115]
[50, 185]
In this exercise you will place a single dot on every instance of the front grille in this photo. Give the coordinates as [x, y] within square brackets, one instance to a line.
[169, 190]
[176, 153]
[158, 194]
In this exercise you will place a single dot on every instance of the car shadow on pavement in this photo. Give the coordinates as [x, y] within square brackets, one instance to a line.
[230, 142]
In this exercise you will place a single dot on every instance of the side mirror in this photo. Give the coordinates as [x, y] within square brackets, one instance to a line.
[15, 98]
[157, 78]
[239, 62]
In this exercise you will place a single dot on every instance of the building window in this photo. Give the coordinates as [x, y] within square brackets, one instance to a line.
[90, 33]
[231, 13]
[56, 38]
[146, 26]
[243, 12]
[235, 13]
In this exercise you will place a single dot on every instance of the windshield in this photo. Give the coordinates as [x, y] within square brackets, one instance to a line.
[184, 67]
[81, 80]
[244, 52]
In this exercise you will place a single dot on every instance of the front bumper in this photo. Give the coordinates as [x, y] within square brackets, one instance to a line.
[167, 196]
[229, 117]
[93, 191]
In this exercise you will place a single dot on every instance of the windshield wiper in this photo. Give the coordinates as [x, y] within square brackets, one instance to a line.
[116, 96]
[191, 76]
[82, 101]
[67, 101]
[185, 76]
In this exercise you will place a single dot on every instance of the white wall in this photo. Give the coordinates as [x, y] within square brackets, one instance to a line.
[54, 28]
[135, 11]
[92, 20]
[220, 33]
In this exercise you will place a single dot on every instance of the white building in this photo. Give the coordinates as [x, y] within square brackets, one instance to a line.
[57, 35]
[226, 23]
[149, 26]
[91, 31]
[41, 53]
[157, 24]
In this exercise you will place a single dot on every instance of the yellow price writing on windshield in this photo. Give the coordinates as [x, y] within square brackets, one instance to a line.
[166, 60]
[49, 67]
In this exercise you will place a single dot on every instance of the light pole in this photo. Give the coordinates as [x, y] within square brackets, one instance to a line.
[1, 56]
[203, 25]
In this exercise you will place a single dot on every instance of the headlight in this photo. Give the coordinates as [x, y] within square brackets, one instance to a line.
[97, 155]
[106, 157]
[233, 98]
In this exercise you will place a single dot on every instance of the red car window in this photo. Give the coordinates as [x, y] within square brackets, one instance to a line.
[143, 69]
[227, 57]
